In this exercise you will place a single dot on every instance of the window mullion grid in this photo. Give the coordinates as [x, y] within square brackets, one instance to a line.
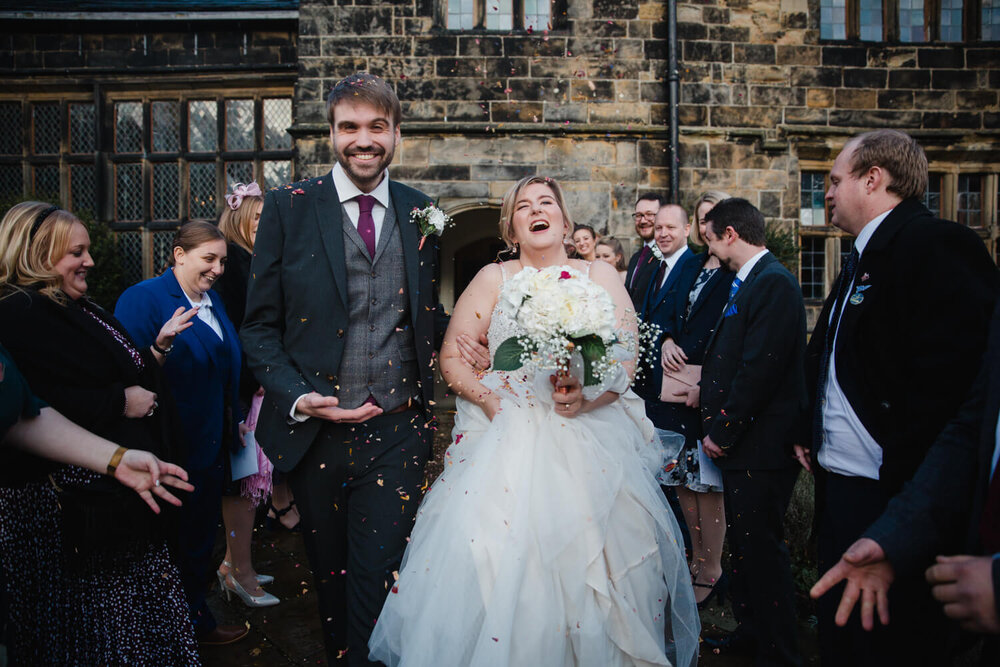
[890, 17]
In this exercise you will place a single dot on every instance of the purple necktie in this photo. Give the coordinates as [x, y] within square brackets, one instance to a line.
[366, 224]
[641, 262]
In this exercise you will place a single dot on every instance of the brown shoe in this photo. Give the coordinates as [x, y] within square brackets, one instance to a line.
[224, 634]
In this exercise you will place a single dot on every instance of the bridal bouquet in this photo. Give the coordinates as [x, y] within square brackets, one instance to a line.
[562, 312]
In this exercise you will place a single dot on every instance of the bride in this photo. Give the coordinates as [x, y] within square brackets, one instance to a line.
[546, 540]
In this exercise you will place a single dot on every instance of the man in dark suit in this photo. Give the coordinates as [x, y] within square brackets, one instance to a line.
[752, 394]
[670, 235]
[895, 349]
[641, 264]
[340, 330]
[931, 515]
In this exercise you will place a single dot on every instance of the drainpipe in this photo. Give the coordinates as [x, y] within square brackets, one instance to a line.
[673, 86]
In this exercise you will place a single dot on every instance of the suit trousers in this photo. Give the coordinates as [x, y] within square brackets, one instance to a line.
[357, 489]
[917, 633]
[198, 524]
[761, 578]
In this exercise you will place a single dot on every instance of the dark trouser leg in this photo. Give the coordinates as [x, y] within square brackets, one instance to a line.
[762, 588]
[199, 519]
[382, 507]
[357, 489]
[848, 506]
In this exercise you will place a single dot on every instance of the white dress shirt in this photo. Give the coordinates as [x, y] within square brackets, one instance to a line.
[748, 266]
[671, 262]
[347, 191]
[206, 314]
[848, 448]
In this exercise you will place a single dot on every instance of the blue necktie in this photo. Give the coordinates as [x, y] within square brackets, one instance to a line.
[733, 289]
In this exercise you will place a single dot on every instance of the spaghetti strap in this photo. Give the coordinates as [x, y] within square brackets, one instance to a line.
[589, 264]
[503, 271]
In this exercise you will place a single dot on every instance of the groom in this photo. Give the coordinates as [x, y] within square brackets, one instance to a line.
[340, 330]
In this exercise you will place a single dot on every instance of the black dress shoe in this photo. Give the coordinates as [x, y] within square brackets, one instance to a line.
[732, 642]
[224, 634]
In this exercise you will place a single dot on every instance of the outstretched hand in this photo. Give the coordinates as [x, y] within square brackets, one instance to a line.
[147, 475]
[869, 575]
[316, 405]
[178, 322]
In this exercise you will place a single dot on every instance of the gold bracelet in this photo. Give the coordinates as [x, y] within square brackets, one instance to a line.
[116, 459]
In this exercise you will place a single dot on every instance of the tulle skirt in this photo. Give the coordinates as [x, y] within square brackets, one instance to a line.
[546, 541]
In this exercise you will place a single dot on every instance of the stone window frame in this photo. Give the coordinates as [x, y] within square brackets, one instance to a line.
[558, 11]
[971, 21]
[948, 173]
[144, 239]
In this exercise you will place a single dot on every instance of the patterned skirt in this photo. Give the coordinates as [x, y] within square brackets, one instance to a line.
[130, 610]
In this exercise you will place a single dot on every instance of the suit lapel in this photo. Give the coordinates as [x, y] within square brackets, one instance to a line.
[410, 237]
[741, 294]
[661, 293]
[713, 284]
[202, 332]
[328, 218]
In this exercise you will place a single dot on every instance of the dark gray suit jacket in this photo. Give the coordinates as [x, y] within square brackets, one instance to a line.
[297, 310]
[753, 382]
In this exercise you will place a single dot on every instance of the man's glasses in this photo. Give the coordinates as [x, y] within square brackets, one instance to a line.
[640, 216]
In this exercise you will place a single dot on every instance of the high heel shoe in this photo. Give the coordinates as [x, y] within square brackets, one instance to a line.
[273, 523]
[265, 600]
[719, 590]
[262, 579]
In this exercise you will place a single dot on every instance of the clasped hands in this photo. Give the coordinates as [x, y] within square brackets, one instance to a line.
[962, 584]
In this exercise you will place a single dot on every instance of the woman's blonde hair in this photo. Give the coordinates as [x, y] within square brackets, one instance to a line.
[237, 225]
[712, 197]
[617, 249]
[34, 236]
[510, 198]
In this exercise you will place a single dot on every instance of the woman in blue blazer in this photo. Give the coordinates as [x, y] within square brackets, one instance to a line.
[203, 371]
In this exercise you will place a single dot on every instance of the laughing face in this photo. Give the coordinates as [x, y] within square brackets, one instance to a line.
[75, 263]
[198, 269]
[538, 221]
[364, 140]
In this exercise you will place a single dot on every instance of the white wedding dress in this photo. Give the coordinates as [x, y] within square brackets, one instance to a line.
[545, 542]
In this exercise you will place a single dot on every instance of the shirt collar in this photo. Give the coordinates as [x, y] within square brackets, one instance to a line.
[649, 243]
[865, 235]
[748, 267]
[347, 190]
[206, 301]
[677, 255]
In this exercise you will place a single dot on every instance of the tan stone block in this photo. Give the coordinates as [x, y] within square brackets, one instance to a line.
[794, 6]
[626, 153]
[618, 176]
[414, 151]
[634, 113]
[688, 14]
[856, 99]
[565, 151]
[819, 97]
[766, 74]
[652, 11]
[626, 91]
[658, 178]
[790, 54]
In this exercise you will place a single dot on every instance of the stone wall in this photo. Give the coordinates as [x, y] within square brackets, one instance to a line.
[584, 102]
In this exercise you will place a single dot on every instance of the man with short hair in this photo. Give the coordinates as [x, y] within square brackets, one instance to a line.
[895, 349]
[752, 392]
[640, 265]
[340, 330]
[670, 234]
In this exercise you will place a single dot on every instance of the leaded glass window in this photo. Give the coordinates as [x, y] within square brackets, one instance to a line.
[239, 125]
[166, 127]
[951, 20]
[203, 129]
[813, 267]
[991, 20]
[870, 20]
[46, 128]
[970, 200]
[128, 127]
[812, 208]
[82, 131]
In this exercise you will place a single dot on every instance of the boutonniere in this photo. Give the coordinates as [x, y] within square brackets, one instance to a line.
[431, 220]
[657, 253]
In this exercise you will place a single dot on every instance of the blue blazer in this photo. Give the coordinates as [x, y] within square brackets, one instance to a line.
[201, 370]
[656, 304]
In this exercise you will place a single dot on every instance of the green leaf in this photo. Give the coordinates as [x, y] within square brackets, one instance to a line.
[508, 355]
[592, 349]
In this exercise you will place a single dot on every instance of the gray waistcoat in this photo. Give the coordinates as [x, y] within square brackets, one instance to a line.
[380, 358]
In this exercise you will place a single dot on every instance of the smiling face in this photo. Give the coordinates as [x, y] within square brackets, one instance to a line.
[75, 263]
[538, 221]
[364, 140]
[720, 246]
[644, 217]
[584, 242]
[671, 230]
[606, 253]
[699, 215]
[198, 269]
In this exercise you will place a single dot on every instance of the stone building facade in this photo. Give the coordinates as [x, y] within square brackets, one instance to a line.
[769, 91]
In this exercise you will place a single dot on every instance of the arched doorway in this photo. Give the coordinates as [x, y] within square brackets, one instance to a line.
[472, 243]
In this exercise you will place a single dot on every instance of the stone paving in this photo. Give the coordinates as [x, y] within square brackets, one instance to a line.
[289, 633]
